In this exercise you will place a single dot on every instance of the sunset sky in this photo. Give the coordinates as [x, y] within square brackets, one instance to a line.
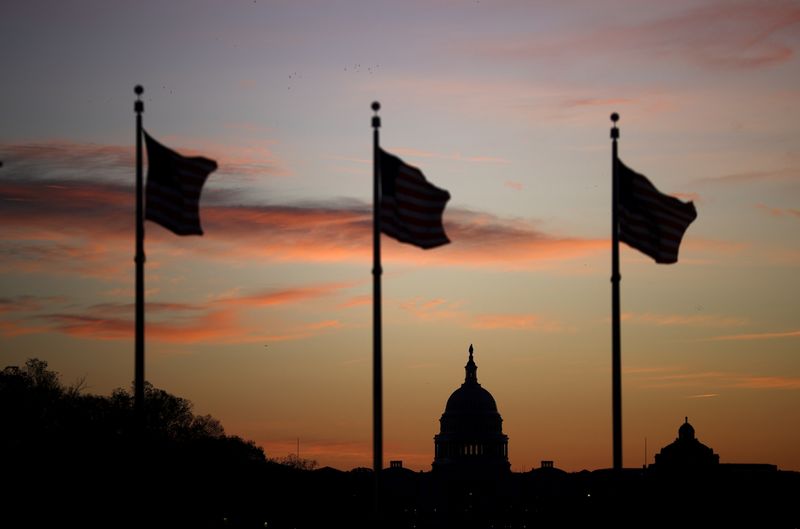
[265, 322]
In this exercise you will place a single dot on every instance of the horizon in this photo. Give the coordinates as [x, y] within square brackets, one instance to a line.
[264, 322]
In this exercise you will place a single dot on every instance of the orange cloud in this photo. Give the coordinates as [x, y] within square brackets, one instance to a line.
[432, 310]
[693, 197]
[219, 326]
[679, 377]
[779, 212]
[513, 321]
[703, 396]
[756, 382]
[357, 301]
[700, 320]
[441, 310]
[218, 321]
[758, 336]
[213, 327]
[287, 295]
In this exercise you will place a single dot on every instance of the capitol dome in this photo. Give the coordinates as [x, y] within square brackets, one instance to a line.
[471, 437]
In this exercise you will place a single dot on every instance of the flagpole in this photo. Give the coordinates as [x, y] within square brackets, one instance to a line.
[616, 383]
[138, 392]
[377, 383]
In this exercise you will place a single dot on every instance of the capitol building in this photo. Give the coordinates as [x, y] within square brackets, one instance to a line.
[471, 441]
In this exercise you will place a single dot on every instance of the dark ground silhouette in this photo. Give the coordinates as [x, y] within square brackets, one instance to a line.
[72, 459]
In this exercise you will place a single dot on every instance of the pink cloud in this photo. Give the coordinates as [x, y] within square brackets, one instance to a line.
[761, 382]
[218, 321]
[693, 197]
[598, 102]
[779, 212]
[67, 159]
[287, 295]
[442, 310]
[433, 310]
[216, 326]
[767, 175]
[513, 321]
[710, 380]
[726, 35]
[697, 320]
[357, 301]
[703, 396]
[517, 186]
[456, 156]
[758, 336]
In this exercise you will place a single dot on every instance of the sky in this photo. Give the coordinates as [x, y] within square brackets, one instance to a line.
[265, 322]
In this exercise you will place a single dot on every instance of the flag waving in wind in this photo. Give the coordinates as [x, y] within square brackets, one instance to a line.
[411, 207]
[650, 221]
[174, 184]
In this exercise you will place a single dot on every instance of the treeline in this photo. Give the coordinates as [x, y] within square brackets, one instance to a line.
[76, 459]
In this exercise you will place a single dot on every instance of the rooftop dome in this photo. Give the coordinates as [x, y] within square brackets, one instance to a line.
[686, 431]
[471, 397]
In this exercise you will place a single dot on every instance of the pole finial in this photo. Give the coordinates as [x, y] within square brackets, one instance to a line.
[138, 106]
[376, 119]
[614, 129]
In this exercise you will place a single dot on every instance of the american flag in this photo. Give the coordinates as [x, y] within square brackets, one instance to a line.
[174, 184]
[411, 207]
[650, 221]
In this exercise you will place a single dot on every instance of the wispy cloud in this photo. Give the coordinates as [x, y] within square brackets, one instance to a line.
[597, 102]
[757, 336]
[725, 35]
[433, 309]
[356, 301]
[438, 310]
[221, 320]
[767, 175]
[286, 296]
[709, 382]
[455, 156]
[68, 160]
[778, 382]
[695, 320]
[779, 212]
[693, 197]
[703, 396]
[514, 321]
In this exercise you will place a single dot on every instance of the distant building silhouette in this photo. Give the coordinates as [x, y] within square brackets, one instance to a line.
[471, 441]
[686, 452]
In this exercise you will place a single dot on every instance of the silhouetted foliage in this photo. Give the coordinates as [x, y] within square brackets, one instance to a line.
[296, 462]
[82, 455]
